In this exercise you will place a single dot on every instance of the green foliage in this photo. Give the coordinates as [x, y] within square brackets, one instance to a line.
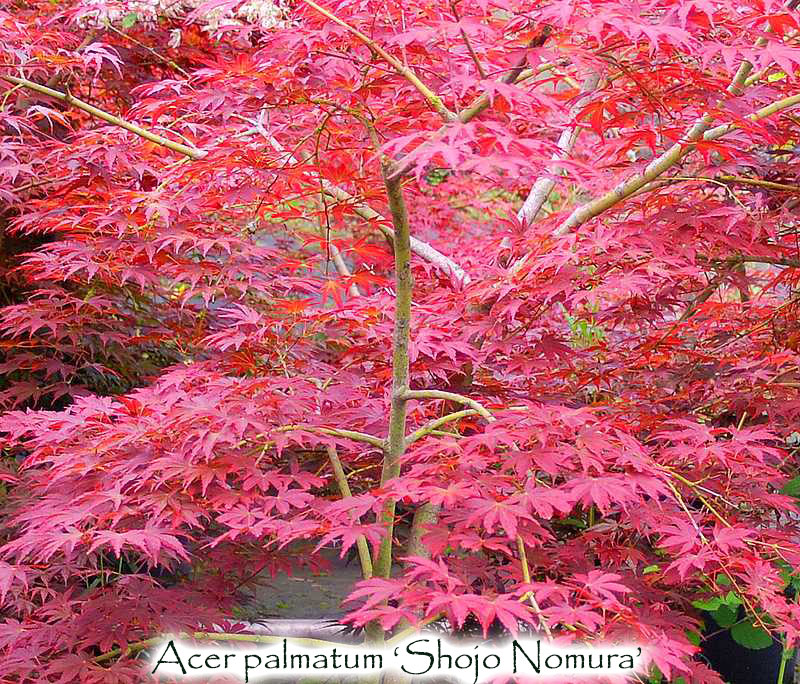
[792, 488]
[584, 331]
[750, 636]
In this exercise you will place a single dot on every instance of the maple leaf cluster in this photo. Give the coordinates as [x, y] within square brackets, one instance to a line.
[197, 324]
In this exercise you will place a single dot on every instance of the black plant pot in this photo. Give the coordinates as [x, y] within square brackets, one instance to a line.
[739, 665]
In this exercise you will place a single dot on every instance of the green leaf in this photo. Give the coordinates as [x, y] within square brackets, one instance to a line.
[732, 599]
[792, 488]
[725, 616]
[129, 20]
[723, 580]
[694, 637]
[750, 636]
[650, 569]
[709, 604]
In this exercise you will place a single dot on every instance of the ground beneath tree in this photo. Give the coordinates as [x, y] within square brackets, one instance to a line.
[305, 594]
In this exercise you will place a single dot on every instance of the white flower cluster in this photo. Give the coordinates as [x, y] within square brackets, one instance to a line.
[265, 14]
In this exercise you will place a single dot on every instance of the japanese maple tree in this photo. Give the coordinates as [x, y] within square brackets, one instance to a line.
[502, 296]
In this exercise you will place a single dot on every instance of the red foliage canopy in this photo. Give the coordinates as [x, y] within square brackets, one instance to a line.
[203, 213]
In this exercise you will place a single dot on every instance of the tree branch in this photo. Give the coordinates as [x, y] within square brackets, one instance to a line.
[473, 55]
[763, 113]
[450, 396]
[422, 249]
[344, 490]
[191, 152]
[433, 425]
[342, 269]
[753, 259]
[335, 432]
[526, 576]
[701, 298]
[544, 185]
[698, 131]
[662, 163]
[431, 98]
[419, 247]
[478, 105]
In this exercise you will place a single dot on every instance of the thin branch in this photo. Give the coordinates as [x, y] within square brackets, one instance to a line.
[517, 73]
[165, 60]
[753, 259]
[544, 185]
[335, 432]
[409, 631]
[702, 297]
[342, 269]
[526, 576]
[422, 249]
[663, 163]
[744, 180]
[432, 426]
[431, 98]
[467, 42]
[344, 490]
[333, 250]
[191, 152]
[55, 79]
[450, 396]
[763, 113]
[699, 130]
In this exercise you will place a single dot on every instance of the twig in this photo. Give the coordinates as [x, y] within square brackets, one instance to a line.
[450, 396]
[699, 130]
[664, 162]
[517, 73]
[344, 490]
[526, 576]
[191, 152]
[758, 182]
[432, 98]
[432, 426]
[752, 258]
[702, 297]
[422, 249]
[467, 42]
[335, 432]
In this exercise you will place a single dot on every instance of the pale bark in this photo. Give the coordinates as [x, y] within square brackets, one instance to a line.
[544, 185]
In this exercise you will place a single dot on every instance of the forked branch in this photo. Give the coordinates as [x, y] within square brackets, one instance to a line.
[698, 131]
